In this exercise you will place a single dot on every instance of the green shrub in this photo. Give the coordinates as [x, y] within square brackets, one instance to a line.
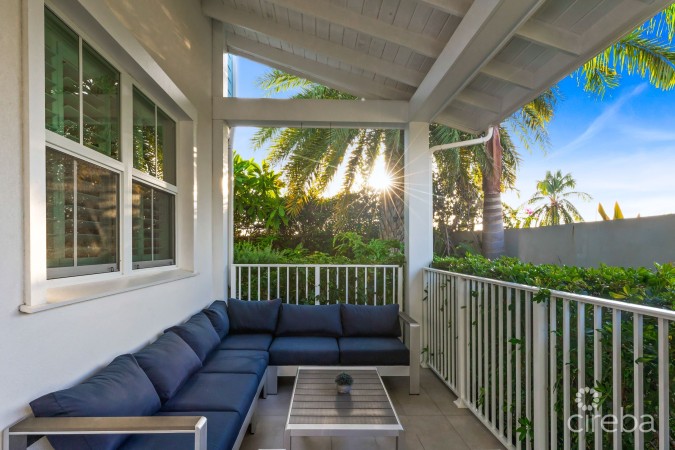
[654, 287]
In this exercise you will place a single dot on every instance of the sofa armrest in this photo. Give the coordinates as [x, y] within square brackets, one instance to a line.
[411, 338]
[14, 437]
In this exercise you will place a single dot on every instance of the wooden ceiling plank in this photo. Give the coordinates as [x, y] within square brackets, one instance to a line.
[345, 17]
[509, 73]
[216, 10]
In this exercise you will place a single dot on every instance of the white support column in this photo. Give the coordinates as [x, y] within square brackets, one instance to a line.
[221, 157]
[418, 215]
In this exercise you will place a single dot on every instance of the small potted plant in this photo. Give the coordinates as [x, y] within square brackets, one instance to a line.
[344, 383]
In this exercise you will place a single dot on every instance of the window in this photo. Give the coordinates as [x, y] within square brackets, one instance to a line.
[82, 223]
[153, 234]
[85, 171]
[82, 98]
[153, 207]
[154, 140]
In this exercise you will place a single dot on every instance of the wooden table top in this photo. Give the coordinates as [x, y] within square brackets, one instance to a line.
[316, 401]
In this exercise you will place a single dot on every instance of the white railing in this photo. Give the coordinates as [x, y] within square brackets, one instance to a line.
[517, 355]
[318, 283]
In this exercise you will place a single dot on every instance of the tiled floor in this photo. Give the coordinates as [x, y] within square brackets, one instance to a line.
[431, 421]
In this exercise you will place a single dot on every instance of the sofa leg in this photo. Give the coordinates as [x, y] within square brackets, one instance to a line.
[254, 423]
[414, 380]
[263, 394]
[271, 382]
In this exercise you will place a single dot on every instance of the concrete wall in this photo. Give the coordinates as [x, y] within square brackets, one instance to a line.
[629, 243]
[53, 349]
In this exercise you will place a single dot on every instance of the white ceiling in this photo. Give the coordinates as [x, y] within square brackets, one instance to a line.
[467, 64]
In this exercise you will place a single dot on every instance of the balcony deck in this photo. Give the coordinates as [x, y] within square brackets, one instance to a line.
[431, 420]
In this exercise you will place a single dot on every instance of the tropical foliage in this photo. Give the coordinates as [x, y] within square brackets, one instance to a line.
[552, 196]
[258, 204]
[646, 51]
[347, 248]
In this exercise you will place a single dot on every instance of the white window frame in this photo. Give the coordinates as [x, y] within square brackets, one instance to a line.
[43, 293]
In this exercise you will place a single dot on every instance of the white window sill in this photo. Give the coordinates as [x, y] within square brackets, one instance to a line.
[71, 293]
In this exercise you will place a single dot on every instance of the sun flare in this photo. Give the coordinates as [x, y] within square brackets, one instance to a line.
[380, 179]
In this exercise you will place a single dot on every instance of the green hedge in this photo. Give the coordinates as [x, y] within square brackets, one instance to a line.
[652, 287]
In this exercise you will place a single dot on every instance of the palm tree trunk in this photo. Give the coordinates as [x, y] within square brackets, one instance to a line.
[493, 219]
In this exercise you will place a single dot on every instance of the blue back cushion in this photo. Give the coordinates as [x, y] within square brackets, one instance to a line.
[365, 320]
[120, 389]
[168, 362]
[309, 320]
[217, 314]
[253, 316]
[199, 334]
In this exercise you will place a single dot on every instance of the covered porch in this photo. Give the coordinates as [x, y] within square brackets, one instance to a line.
[465, 64]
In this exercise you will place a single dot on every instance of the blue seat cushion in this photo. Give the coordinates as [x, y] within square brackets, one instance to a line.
[215, 392]
[222, 362]
[222, 430]
[309, 320]
[259, 341]
[217, 314]
[199, 334]
[262, 354]
[255, 316]
[168, 362]
[373, 351]
[366, 320]
[292, 351]
[120, 389]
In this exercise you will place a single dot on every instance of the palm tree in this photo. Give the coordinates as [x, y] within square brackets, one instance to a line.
[554, 191]
[311, 157]
[646, 51]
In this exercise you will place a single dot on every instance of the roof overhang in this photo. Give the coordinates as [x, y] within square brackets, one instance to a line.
[466, 64]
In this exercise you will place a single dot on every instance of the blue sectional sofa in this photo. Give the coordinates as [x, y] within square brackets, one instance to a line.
[216, 366]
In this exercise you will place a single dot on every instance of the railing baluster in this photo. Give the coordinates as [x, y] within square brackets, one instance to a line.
[509, 365]
[259, 280]
[553, 372]
[597, 370]
[474, 324]
[486, 350]
[616, 374]
[567, 439]
[528, 364]
[581, 364]
[664, 384]
[638, 377]
[493, 354]
[518, 361]
[249, 284]
[278, 282]
[375, 282]
[269, 282]
[500, 404]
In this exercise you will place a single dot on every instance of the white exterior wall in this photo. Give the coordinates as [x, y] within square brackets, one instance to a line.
[53, 349]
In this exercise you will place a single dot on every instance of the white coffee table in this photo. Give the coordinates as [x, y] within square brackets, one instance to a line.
[318, 410]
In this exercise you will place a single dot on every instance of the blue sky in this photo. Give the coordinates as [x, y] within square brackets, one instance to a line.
[620, 148]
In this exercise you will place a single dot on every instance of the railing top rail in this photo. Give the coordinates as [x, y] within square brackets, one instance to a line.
[388, 266]
[612, 304]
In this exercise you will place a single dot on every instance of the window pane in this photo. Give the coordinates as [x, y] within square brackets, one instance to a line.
[93, 240]
[142, 222]
[153, 226]
[96, 215]
[163, 226]
[144, 134]
[101, 103]
[166, 147]
[60, 200]
[62, 103]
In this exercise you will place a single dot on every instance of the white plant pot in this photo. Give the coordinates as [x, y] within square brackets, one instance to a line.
[344, 389]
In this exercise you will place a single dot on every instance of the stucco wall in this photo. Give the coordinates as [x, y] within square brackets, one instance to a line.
[629, 242]
[49, 350]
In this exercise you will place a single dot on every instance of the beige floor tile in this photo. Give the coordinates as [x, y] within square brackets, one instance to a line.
[431, 421]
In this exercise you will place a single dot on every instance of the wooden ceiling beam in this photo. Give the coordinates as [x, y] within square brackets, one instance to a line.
[313, 70]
